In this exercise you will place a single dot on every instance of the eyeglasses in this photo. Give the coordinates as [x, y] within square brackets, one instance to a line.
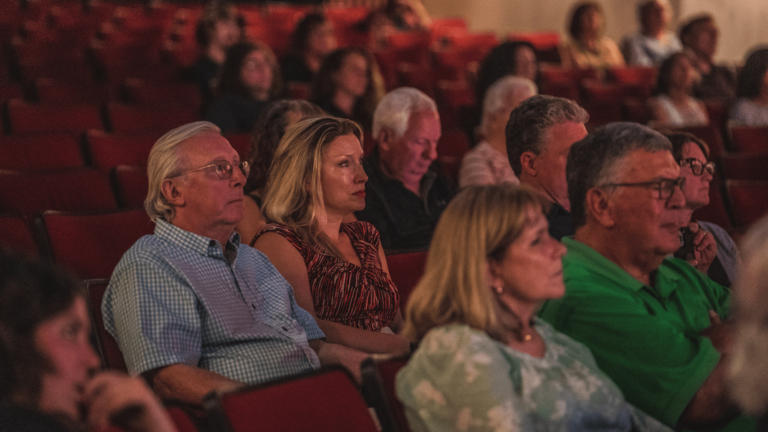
[665, 186]
[223, 169]
[698, 166]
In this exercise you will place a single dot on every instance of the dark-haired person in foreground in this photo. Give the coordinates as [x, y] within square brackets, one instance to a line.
[192, 309]
[654, 323]
[48, 370]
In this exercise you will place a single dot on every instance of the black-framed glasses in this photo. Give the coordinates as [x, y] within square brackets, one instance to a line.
[223, 169]
[665, 186]
[698, 166]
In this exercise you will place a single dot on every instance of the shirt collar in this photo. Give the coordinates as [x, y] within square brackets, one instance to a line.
[199, 244]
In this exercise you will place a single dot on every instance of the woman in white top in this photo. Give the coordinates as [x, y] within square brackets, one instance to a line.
[488, 162]
[673, 105]
[751, 108]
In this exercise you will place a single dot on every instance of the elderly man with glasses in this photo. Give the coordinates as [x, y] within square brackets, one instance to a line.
[653, 323]
[192, 309]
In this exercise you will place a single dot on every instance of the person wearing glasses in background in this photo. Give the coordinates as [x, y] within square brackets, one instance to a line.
[192, 308]
[711, 246]
[653, 322]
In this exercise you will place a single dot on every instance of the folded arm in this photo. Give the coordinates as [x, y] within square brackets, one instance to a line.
[187, 384]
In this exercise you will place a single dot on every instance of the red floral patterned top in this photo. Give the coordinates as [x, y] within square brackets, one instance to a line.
[361, 297]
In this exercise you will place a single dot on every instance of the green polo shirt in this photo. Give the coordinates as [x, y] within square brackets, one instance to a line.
[647, 339]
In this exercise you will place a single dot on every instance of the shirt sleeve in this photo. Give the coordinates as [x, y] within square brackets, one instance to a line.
[474, 171]
[305, 319]
[458, 380]
[152, 313]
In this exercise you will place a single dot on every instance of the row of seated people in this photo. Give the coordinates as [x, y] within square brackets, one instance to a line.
[317, 180]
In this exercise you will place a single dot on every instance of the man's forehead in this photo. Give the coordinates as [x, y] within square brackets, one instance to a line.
[643, 165]
[206, 146]
[424, 121]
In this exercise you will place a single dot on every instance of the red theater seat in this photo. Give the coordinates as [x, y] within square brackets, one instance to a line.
[379, 386]
[110, 353]
[110, 150]
[38, 119]
[749, 200]
[131, 119]
[745, 166]
[44, 152]
[15, 234]
[405, 270]
[131, 185]
[749, 139]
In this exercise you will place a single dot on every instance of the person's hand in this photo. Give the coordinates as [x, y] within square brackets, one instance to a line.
[720, 333]
[704, 248]
[127, 402]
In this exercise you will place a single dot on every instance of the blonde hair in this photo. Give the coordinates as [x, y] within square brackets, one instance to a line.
[294, 193]
[479, 224]
[164, 162]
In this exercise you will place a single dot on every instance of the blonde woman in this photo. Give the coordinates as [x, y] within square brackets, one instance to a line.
[485, 362]
[337, 270]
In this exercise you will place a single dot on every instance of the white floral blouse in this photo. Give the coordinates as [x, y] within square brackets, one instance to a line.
[460, 379]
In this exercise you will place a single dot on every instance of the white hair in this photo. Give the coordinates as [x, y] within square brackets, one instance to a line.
[506, 90]
[396, 107]
[164, 162]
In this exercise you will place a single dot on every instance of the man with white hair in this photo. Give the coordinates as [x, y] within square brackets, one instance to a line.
[192, 309]
[405, 192]
[488, 163]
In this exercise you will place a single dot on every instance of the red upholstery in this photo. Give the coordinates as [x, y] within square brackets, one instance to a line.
[241, 143]
[540, 40]
[749, 139]
[131, 119]
[572, 76]
[635, 110]
[181, 419]
[388, 370]
[634, 75]
[326, 400]
[421, 77]
[53, 91]
[40, 119]
[298, 90]
[749, 200]
[15, 234]
[71, 190]
[10, 91]
[745, 166]
[710, 135]
[406, 269]
[110, 150]
[159, 95]
[40, 152]
[599, 92]
[110, 353]
[131, 185]
[92, 244]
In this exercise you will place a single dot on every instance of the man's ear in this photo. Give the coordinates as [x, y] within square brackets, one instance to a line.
[599, 204]
[528, 162]
[171, 193]
[384, 140]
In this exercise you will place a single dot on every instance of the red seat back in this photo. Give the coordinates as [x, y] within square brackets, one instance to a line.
[131, 185]
[745, 166]
[15, 234]
[109, 351]
[406, 269]
[110, 150]
[133, 119]
[326, 400]
[44, 152]
[39, 119]
[749, 139]
[241, 143]
[379, 386]
[749, 200]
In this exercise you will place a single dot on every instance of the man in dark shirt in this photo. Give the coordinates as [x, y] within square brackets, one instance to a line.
[699, 35]
[540, 133]
[405, 192]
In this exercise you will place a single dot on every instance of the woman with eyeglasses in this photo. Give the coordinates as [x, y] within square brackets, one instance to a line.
[714, 251]
[338, 270]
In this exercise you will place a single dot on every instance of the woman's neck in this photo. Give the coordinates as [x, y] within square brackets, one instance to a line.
[344, 101]
[331, 227]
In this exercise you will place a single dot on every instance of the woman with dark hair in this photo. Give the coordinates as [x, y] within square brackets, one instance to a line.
[751, 107]
[268, 132]
[349, 85]
[49, 379]
[674, 105]
[588, 47]
[517, 58]
[249, 79]
[311, 41]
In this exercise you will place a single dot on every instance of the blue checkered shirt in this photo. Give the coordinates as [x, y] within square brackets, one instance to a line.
[176, 297]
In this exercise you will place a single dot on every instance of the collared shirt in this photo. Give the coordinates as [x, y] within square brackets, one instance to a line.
[485, 165]
[177, 297]
[560, 222]
[647, 339]
[404, 220]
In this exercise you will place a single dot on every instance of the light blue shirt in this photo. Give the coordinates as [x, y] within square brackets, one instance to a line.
[176, 297]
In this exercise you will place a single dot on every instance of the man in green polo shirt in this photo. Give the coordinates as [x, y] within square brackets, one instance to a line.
[653, 323]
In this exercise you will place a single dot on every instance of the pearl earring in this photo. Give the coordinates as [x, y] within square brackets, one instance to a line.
[498, 289]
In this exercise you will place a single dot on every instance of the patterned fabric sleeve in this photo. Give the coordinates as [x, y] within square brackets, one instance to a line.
[474, 170]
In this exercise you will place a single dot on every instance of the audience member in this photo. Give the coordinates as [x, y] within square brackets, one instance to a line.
[268, 132]
[49, 379]
[408, 15]
[217, 31]
[540, 132]
[749, 371]
[673, 105]
[192, 309]
[377, 27]
[311, 41]
[488, 163]
[249, 78]
[349, 85]
[652, 322]
[699, 37]
[713, 251]
[485, 362]
[653, 43]
[589, 48]
[406, 191]
[751, 108]
[337, 270]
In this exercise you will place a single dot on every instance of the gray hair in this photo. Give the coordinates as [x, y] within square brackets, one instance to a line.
[395, 109]
[528, 128]
[749, 372]
[165, 162]
[596, 160]
[504, 90]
